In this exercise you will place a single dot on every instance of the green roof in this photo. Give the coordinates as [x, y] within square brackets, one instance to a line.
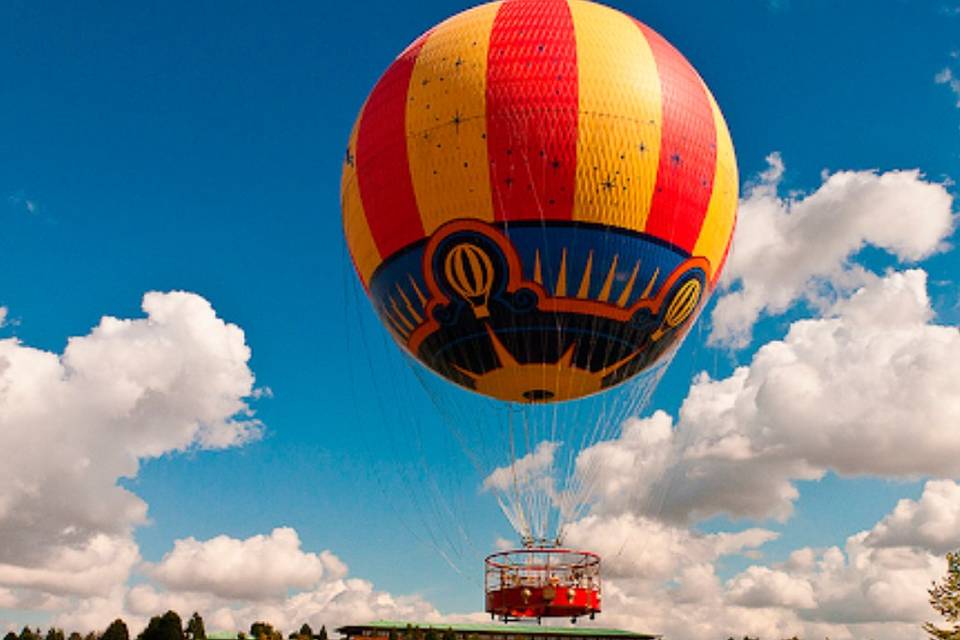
[501, 628]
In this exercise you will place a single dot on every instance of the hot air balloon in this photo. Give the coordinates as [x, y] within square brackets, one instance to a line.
[538, 197]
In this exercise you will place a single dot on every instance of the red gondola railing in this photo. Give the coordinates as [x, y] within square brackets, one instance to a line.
[542, 583]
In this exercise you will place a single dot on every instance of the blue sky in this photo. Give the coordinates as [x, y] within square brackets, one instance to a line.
[176, 146]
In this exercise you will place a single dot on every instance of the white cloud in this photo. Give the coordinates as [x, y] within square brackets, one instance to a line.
[872, 389]
[861, 584]
[931, 523]
[3, 316]
[759, 587]
[332, 604]
[72, 424]
[88, 570]
[637, 546]
[222, 566]
[79, 421]
[532, 467]
[790, 249]
[96, 613]
[946, 76]
[234, 582]
[693, 607]
[663, 578]
[531, 474]
[223, 579]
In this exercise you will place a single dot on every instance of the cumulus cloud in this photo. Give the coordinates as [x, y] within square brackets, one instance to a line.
[787, 249]
[529, 468]
[638, 546]
[862, 584]
[872, 388]
[931, 523]
[223, 565]
[74, 423]
[759, 587]
[77, 422]
[3, 316]
[89, 570]
[529, 474]
[234, 582]
[95, 613]
[332, 603]
[663, 578]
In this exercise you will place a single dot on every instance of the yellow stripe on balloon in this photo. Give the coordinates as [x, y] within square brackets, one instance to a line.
[446, 129]
[618, 135]
[722, 210]
[355, 227]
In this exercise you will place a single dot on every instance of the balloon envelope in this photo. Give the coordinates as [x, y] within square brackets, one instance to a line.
[538, 196]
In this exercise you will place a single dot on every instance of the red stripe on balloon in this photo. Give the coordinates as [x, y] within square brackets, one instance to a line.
[688, 149]
[383, 168]
[532, 110]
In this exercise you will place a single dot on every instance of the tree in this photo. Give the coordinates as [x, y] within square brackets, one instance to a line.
[305, 633]
[392, 635]
[195, 628]
[165, 627]
[264, 631]
[945, 599]
[323, 633]
[73, 636]
[116, 631]
[10, 636]
[28, 634]
[54, 634]
[448, 634]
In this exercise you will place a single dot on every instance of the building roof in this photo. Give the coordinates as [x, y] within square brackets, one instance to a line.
[500, 629]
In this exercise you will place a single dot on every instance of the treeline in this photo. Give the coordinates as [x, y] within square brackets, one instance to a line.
[169, 626]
